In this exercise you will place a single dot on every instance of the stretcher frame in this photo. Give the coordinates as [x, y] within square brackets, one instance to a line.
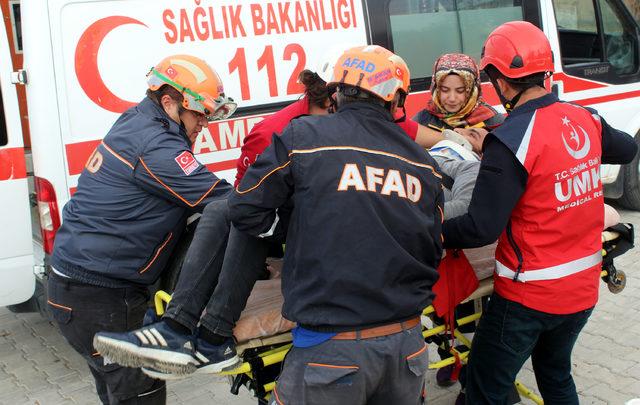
[277, 347]
[251, 373]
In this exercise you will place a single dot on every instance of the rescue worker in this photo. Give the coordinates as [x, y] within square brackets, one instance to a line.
[363, 241]
[539, 189]
[206, 279]
[215, 275]
[130, 208]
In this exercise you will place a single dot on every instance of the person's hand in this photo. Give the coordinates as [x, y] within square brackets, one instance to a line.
[475, 136]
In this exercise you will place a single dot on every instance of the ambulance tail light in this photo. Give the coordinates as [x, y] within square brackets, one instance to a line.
[48, 211]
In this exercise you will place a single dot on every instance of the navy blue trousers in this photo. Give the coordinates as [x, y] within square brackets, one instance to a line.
[81, 310]
[508, 333]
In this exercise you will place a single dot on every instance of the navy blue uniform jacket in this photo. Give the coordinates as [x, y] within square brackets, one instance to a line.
[364, 238]
[132, 201]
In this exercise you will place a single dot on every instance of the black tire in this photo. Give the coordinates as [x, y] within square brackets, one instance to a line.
[631, 196]
[37, 302]
[29, 305]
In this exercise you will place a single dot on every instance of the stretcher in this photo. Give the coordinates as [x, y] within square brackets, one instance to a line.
[263, 335]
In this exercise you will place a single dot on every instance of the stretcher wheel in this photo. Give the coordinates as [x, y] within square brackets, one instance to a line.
[618, 282]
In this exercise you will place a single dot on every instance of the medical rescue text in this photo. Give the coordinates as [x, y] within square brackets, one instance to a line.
[577, 185]
[205, 23]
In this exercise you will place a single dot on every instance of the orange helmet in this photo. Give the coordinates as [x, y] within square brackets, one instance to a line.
[374, 69]
[199, 84]
[517, 49]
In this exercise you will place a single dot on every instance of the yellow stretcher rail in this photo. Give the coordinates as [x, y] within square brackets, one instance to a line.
[268, 358]
[527, 393]
[449, 360]
[278, 354]
[160, 300]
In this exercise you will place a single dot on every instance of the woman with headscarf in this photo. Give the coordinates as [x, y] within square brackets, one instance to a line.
[456, 99]
[456, 104]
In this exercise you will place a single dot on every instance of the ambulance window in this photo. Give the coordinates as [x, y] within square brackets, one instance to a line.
[422, 30]
[600, 46]
[16, 25]
[578, 31]
[619, 40]
[634, 8]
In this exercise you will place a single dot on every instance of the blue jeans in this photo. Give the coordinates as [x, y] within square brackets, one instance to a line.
[219, 271]
[508, 333]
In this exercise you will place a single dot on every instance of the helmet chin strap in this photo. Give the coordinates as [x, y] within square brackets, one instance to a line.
[508, 105]
[403, 118]
[181, 110]
[333, 103]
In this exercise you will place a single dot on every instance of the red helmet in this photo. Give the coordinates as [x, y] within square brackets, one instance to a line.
[517, 49]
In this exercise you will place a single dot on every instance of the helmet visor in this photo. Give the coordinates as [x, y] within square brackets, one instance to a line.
[219, 108]
[214, 109]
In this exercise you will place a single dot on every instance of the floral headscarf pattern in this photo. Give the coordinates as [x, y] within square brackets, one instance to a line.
[475, 109]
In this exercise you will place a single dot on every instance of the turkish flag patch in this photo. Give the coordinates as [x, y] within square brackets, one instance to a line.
[187, 162]
[171, 72]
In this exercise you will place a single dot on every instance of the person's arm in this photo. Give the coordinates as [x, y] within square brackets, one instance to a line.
[166, 168]
[254, 144]
[424, 136]
[427, 137]
[266, 186]
[500, 184]
[464, 174]
[618, 147]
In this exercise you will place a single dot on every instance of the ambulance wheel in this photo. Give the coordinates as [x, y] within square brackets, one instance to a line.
[37, 302]
[617, 284]
[631, 196]
[30, 305]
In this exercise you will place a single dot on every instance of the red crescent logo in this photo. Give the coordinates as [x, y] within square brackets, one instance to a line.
[171, 72]
[86, 63]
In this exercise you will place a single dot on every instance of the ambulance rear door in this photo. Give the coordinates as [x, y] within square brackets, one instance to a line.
[17, 280]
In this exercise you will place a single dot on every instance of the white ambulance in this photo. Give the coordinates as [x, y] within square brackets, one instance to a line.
[85, 62]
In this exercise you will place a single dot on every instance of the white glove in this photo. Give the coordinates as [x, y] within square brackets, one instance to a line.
[453, 136]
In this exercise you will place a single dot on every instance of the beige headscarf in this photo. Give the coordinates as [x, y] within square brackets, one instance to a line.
[475, 109]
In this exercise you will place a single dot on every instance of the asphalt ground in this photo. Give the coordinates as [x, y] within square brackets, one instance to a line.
[37, 366]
